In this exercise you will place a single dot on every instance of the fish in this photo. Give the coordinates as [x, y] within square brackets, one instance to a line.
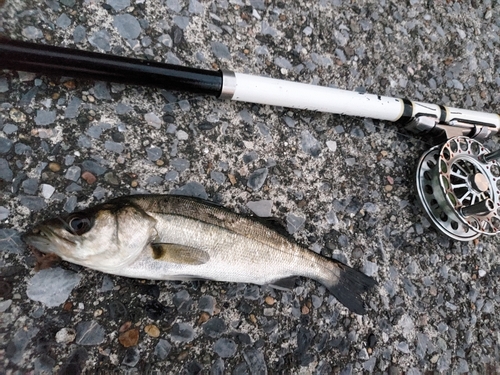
[172, 237]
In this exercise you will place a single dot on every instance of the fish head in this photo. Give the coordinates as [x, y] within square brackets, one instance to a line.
[106, 237]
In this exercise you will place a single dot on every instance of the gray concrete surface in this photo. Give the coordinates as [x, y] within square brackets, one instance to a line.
[66, 144]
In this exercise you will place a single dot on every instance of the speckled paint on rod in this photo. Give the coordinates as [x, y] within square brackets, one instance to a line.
[342, 186]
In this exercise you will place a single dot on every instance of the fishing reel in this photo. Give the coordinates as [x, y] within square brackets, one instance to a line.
[458, 184]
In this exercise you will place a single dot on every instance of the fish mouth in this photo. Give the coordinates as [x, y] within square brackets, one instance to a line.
[43, 238]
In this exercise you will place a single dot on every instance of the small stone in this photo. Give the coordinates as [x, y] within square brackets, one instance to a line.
[79, 34]
[180, 164]
[221, 51]
[132, 357]
[182, 332]
[93, 167]
[129, 338]
[52, 286]
[294, 223]
[70, 204]
[10, 129]
[5, 145]
[261, 208]
[214, 327]
[89, 333]
[100, 39]
[154, 153]
[63, 21]
[218, 177]
[4, 305]
[207, 304]
[225, 348]
[89, 177]
[162, 349]
[4, 213]
[47, 190]
[305, 310]
[388, 188]
[270, 300]
[65, 335]
[54, 167]
[44, 117]
[114, 147]
[152, 330]
[4, 85]
[10, 240]
[191, 189]
[31, 32]
[309, 144]
[182, 135]
[111, 179]
[6, 173]
[118, 5]
[17, 345]
[127, 25]
[73, 173]
[17, 116]
[153, 120]
[30, 186]
[257, 178]
[255, 361]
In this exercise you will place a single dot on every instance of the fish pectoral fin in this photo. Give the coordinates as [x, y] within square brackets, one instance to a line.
[288, 283]
[180, 254]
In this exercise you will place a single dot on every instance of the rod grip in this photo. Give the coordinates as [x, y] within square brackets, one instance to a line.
[51, 60]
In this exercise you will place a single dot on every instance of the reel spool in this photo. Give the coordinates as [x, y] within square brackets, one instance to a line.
[458, 184]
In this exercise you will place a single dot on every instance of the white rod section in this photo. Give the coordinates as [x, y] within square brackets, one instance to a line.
[262, 90]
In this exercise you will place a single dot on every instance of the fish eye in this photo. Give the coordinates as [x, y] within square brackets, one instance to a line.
[79, 225]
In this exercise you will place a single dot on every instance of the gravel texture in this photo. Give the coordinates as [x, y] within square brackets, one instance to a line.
[343, 186]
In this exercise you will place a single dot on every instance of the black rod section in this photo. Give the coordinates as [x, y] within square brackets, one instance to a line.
[44, 59]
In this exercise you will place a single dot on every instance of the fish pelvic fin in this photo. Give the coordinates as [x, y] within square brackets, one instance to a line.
[180, 254]
[348, 285]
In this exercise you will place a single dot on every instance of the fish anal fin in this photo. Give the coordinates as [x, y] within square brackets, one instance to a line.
[180, 254]
[288, 283]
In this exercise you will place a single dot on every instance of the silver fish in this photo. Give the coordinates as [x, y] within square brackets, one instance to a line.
[168, 237]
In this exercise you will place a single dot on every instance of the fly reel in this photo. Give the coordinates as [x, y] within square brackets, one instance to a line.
[458, 184]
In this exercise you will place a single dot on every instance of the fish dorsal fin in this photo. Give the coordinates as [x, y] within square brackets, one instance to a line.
[180, 254]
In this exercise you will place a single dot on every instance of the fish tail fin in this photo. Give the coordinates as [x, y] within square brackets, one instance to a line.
[347, 285]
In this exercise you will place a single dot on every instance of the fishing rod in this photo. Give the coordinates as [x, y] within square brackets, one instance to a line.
[458, 180]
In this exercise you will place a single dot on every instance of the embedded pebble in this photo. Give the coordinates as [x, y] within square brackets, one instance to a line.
[220, 50]
[79, 34]
[153, 120]
[152, 330]
[31, 32]
[63, 21]
[261, 208]
[4, 212]
[30, 186]
[162, 349]
[118, 5]
[127, 26]
[309, 144]
[114, 147]
[93, 167]
[214, 327]
[257, 178]
[44, 117]
[154, 153]
[10, 129]
[5, 171]
[52, 286]
[255, 361]
[70, 204]
[182, 332]
[294, 223]
[89, 333]
[218, 177]
[207, 304]
[4, 85]
[182, 135]
[132, 357]
[100, 39]
[5, 145]
[73, 173]
[65, 335]
[19, 342]
[129, 338]
[180, 164]
[225, 348]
